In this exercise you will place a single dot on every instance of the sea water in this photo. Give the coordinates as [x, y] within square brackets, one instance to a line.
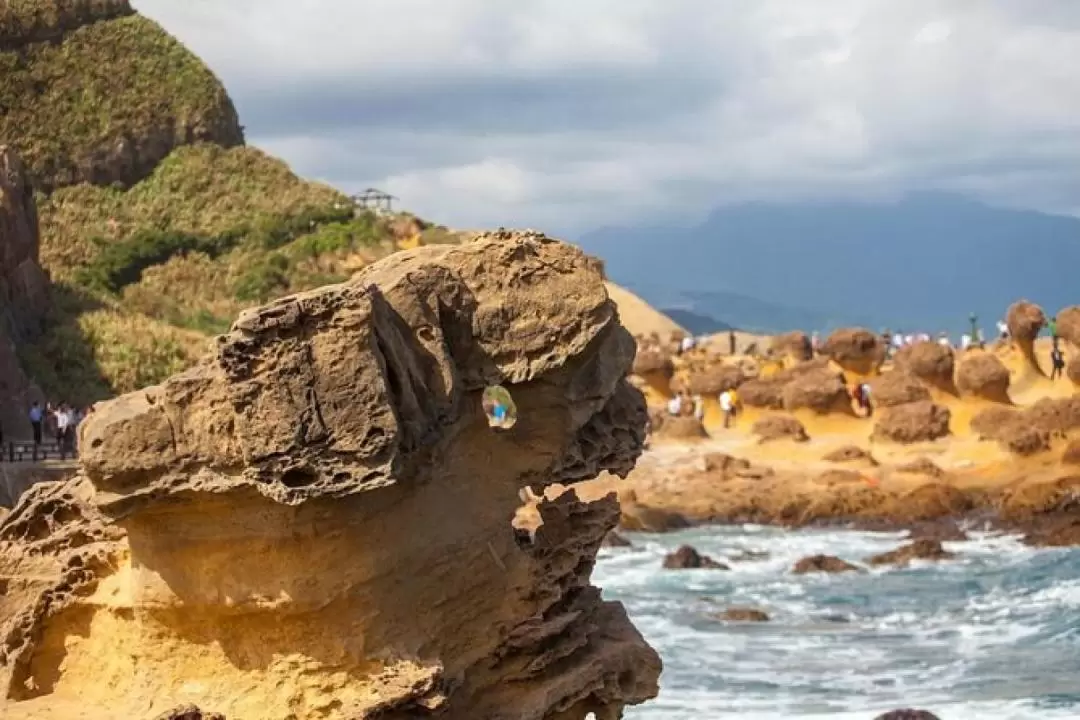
[991, 635]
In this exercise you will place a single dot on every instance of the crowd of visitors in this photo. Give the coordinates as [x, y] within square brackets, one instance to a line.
[58, 423]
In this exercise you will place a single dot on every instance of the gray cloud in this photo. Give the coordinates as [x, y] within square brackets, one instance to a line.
[567, 114]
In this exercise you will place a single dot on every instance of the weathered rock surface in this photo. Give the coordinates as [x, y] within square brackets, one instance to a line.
[24, 289]
[823, 564]
[1068, 325]
[921, 466]
[688, 558]
[913, 422]
[315, 521]
[682, 427]
[856, 350]
[779, 427]
[820, 390]
[712, 380]
[930, 362]
[984, 376]
[653, 361]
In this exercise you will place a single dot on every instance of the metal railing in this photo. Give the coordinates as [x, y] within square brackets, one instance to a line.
[26, 451]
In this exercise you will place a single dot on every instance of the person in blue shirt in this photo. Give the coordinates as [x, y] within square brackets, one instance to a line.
[36, 416]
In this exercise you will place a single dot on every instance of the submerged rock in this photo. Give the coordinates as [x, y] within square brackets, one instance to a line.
[615, 540]
[687, 558]
[908, 715]
[743, 615]
[920, 549]
[315, 521]
[823, 564]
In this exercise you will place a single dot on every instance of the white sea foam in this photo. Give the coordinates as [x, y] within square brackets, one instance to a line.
[992, 634]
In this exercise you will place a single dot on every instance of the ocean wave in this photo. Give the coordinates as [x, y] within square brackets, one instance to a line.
[992, 634]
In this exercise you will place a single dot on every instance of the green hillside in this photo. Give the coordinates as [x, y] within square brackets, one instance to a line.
[158, 225]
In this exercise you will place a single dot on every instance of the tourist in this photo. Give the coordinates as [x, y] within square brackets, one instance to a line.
[965, 341]
[1003, 330]
[687, 344]
[863, 396]
[1057, 363]
[815, 343]
[36, 416]
[731, 342]
[674, 406]
[727, 406]
[943, 340]
[699, 408]
[1052, 326]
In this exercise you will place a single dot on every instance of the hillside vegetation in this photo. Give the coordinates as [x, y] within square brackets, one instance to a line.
[158, 225]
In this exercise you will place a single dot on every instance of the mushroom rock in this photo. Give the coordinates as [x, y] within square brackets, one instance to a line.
[779, 427]
[1068, 325]
[821, 391]
[897, 388]
[913, 422]
[921, 466]
[315, 520]
[930, 362]
[681, 427]
[1025, 320]
[711, 381]
[653, 361]
[856, 350]
[983, 375]
[795, 346]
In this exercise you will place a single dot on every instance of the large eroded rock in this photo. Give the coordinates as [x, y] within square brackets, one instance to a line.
[316, 521]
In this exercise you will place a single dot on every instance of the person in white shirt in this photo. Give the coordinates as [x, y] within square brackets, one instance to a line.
[1003, 330]
[943, 340]
[674, 406]
[699, 408]
[897, 340]
[727, 405]
[965, 341]
[687, 344]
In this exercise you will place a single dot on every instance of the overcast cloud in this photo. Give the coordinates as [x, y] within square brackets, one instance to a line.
[569, 114]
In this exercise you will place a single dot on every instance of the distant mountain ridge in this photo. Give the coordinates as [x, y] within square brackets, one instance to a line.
[923, 263]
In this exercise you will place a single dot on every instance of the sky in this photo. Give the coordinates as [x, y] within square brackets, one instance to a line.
[566, 115]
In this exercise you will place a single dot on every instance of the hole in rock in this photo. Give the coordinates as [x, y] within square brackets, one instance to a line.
[499, 407]
[298, 477]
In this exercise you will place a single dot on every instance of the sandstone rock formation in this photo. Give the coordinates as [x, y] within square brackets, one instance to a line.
[921, 466]
[855, 350]
[1071, 454]
[315, 521]
[794, 346]
[1029, 430]
[779, 427]
[821, 391]
[921, 549]
[653, 361]
[1068, 325]
[682, 427]
[896, 388]
[930, 362]
[850, 454]
[823, 564]
[712, 380]
[688, 558]
[24, 290]
[913, 422]
[768, 392]
[984, 376]
[1025, 319]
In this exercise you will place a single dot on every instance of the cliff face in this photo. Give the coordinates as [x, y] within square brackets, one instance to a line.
[315, 522]
[95, 93]
[24, 292]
